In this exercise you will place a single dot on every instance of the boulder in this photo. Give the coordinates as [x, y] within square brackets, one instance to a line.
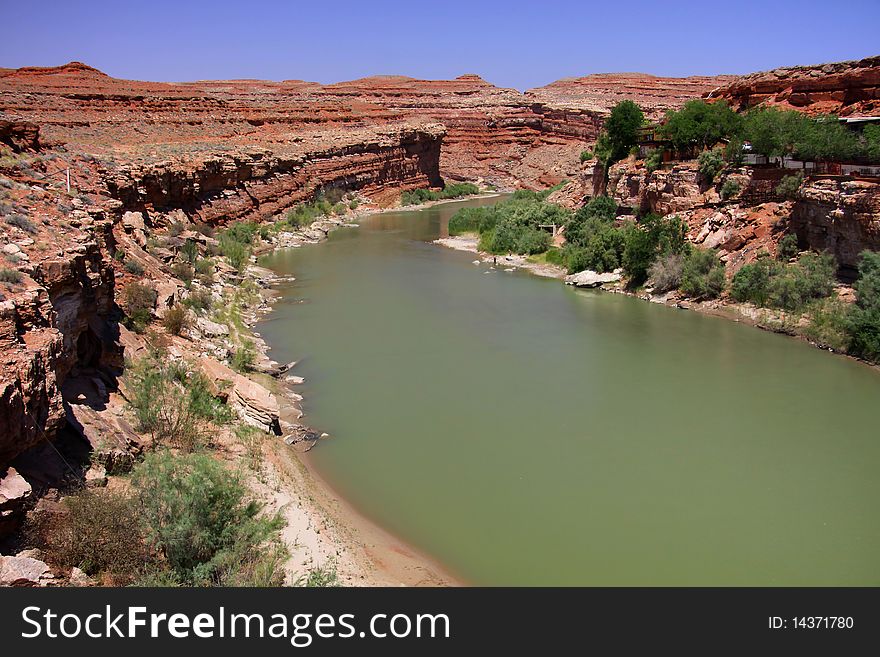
[589, 278]
[254, 403]
[211, 329]
[133, 223]
[79, 579]
[24, 571]
[15, 493]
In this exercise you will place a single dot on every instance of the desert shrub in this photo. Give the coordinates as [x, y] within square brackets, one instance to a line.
[353, 204]
[244, 356]
[654, 160]
[9, 275]
[204, 267]
[828, 324]
[651, 238]
[702, 274]
[789, 185]
[787, 247]
[172, 404]
[134, 267]
[189, 251]
[20, 221]
[199, 300]
[205, 229]
[97, 531]
[751, 283]
[176, 320]
[789, 286]
[322, 576]
[119, 255]
[183, 271]
[138, 301]
[455, 190]
[665, 273]
[200, 519]
[710, 164]
[176, 228]
[586, 155]
[236, 253]
[729, 189]
[863, 323]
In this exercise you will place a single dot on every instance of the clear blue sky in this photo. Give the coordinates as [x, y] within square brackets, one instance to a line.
[513, 43]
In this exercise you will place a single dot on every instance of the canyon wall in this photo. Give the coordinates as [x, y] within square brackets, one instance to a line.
[843, 88]
[141, 153]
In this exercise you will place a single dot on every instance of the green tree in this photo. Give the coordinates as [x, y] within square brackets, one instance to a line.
[701, 125]
[621, 130]
[863, 323]
[702, 274]
[710, 163]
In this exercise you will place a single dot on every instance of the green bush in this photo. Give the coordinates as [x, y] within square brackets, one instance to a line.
[20, 221]
[783, 285]
[172, 404]
[320, 577]
[455, 190]
[729, 189]
[199, 300]
[205, 267]
[199, 518]
[710, 164]
[176, 320]
[751, 283]
[654, 160]
[789, 186]
[183, 271]
[863, 323]
[244, 357]
[643, 243]
[702, 274]
[9, 275]
[134, 267]
[236, 253]
[788, 247]
[190, 251]
[138, 301]
[586, 155]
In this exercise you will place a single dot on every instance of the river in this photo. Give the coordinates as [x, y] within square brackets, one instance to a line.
[526, 433]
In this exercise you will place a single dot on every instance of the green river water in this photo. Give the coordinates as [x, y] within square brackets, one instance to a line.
[526, 433]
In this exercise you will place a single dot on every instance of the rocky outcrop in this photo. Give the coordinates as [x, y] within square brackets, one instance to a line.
[849, 88]
[15, 493]
[254, 403]
[595, 95]
[257, 183]
[19, 135]
[24, 571]
[840, 216]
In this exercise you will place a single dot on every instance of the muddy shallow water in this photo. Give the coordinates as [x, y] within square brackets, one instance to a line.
[523, 432]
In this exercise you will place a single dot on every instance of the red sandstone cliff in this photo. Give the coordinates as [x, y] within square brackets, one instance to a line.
[844, 88]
